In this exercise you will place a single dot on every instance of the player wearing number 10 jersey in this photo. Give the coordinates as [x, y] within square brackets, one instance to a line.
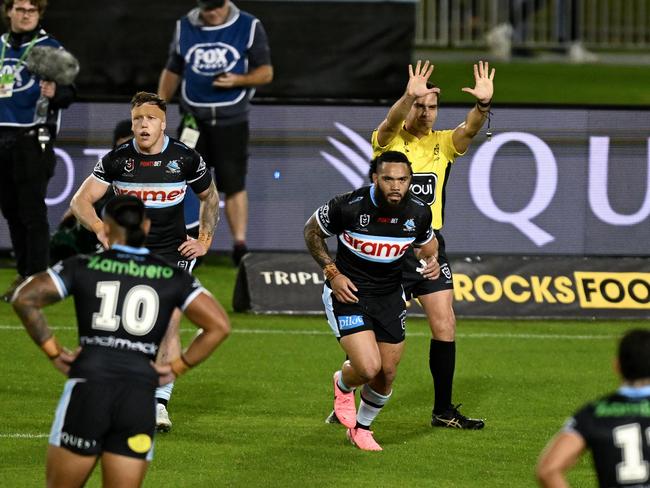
[615, 428]
[124, 298]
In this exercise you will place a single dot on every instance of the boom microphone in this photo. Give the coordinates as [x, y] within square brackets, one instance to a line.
[50, 64]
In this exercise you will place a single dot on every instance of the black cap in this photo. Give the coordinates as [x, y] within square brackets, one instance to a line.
[210, 4]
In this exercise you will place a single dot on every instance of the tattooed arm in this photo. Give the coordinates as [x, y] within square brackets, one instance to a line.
[36, 293]
[208, 218]
[342, 288]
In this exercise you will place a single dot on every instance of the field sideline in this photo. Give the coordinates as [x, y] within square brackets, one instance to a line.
[253, 414]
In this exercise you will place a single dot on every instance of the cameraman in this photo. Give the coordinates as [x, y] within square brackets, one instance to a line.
[27, 162]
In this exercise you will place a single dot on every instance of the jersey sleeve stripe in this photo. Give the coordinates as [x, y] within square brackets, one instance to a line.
[192, 296]
[420, 244]
[322, 227]
[99, 179]
[58, 283]
[197, 178]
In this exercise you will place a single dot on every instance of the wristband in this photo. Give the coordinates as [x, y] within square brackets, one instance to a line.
[480, 104]
[331, 271]
[97, 226]
[51, 348]
[180, 366]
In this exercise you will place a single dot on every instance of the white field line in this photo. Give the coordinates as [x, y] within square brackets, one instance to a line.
[465, 335]
[22, 436]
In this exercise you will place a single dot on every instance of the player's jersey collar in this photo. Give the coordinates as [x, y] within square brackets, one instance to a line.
[129, 249]
[632, 392]
[165, 144]
[372, 195]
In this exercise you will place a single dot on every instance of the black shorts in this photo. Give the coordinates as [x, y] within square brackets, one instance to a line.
[175, 258]
[415, 284]
[225, 148]
[383, 314]
[94, 417]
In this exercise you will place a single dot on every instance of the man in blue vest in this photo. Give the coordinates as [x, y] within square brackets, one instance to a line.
[218, 55]
[26, 142]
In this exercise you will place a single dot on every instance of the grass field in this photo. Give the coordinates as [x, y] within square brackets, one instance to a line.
[253, 414]
[520, 82]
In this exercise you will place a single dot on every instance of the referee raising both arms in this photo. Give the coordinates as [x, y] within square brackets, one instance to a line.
[408, 129]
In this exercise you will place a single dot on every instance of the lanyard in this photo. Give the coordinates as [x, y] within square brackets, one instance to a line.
[23, 55]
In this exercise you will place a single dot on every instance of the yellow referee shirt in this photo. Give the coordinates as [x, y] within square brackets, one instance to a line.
[431, 158]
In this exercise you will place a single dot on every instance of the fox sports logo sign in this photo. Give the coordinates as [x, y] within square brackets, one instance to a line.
[211, 59]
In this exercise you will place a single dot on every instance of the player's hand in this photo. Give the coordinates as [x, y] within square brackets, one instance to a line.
[48, 88]
[64, 360]
[192, 248]
[165, 373]
[431, 269]
[227, 80]
[483, 80]
[343, 289]
[418, 77]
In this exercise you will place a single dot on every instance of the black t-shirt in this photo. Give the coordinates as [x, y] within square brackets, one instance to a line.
[372, 241]
[160, 181]
[123, 298]
[616, 428]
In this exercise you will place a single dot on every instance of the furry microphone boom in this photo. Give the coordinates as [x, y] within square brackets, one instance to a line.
[50, 64]
[53, 64]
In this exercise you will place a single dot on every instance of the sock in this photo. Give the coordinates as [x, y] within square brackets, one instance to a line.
[442, 362]
[342, 386]
[369, 407]
[164, 393]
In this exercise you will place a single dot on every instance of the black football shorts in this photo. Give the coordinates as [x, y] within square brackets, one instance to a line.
[383, 314]
[95, 417]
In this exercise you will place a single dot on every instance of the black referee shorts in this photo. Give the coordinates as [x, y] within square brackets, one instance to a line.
[415, 284]
[225, 148]
[116, 417]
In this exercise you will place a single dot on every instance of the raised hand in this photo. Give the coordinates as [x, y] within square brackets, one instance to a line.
[418, 77]
[483, 82]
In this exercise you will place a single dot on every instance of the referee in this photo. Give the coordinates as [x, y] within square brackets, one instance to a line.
[408, 129]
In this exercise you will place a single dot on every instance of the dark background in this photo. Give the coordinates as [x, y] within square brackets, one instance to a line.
[320, 50]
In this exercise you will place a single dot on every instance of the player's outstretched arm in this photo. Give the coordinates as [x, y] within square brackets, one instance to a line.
[36, 293]
[82, 203]
[483, 91]
[208, 218]
[415, 88]
[562, 452]
[208, 315]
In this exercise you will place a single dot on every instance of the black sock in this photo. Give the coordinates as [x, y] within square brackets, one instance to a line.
[162, 401]
[442, 362]
[361, 426]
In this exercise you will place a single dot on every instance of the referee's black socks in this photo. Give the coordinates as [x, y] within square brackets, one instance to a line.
[442, 363]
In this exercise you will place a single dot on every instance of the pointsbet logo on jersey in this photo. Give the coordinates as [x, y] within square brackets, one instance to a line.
[590, 289]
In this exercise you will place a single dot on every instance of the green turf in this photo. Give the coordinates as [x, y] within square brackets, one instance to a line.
[549, 83]
[253, 414]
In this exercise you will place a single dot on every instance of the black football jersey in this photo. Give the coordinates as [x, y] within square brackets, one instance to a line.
[160, 181]
[371, 241]
[124, 298]
[616, 429]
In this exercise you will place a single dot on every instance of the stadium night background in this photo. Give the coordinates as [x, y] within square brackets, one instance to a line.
[549, 218]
